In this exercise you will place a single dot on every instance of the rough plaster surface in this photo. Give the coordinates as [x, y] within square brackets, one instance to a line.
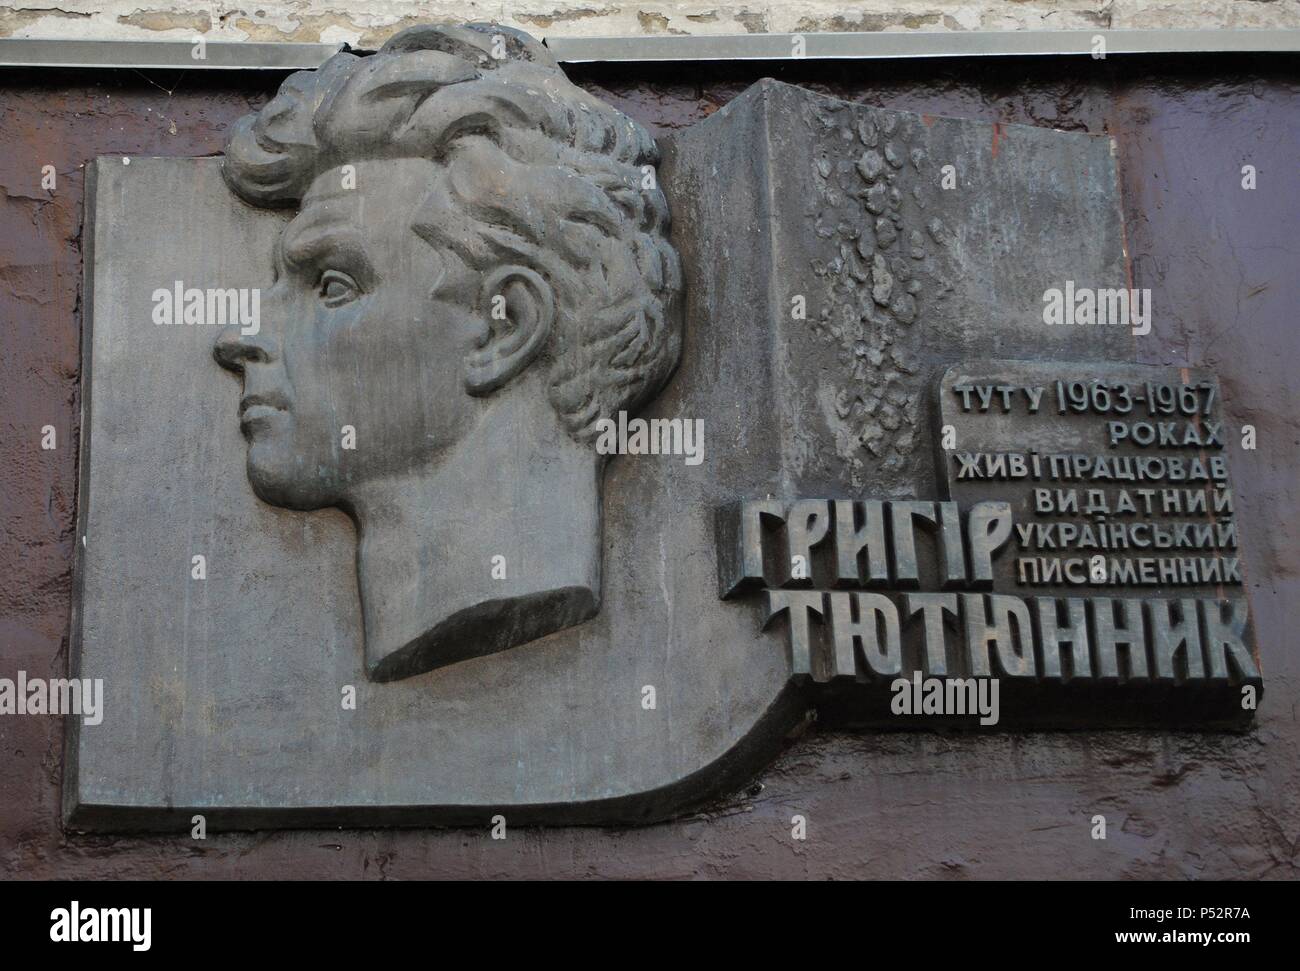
[1221, 264]
[370, 24]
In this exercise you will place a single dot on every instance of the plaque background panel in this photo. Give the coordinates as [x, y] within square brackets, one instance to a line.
[224, 695]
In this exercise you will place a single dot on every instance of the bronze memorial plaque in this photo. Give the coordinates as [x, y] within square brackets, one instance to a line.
[458, 447]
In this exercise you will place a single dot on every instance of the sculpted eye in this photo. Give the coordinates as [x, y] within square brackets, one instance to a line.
[337, 288]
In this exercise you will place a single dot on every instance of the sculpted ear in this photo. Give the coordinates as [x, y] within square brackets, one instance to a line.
[518, 308]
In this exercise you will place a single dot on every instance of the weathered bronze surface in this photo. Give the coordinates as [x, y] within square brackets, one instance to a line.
[471, 282]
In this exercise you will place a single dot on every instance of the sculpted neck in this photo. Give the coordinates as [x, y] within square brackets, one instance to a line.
[433, 590]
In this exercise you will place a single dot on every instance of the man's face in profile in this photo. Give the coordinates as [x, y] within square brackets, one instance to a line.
[359, 329]
[477, 274]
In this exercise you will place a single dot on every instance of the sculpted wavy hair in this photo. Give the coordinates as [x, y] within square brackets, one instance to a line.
[535, 171]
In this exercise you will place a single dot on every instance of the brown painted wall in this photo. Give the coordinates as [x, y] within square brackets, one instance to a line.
[1224, 266]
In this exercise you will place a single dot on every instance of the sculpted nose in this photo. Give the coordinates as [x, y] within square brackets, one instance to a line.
[234, 348]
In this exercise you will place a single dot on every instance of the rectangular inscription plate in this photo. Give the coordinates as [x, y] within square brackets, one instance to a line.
[1082, 557]
[1117, 478]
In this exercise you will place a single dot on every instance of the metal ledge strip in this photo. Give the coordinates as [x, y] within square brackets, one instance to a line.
[226, 55]
[919, 44]
[217, 55]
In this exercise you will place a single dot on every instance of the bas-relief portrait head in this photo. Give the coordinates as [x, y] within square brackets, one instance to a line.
[477, 273]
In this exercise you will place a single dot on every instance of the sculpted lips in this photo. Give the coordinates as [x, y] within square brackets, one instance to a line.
[260, 407]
